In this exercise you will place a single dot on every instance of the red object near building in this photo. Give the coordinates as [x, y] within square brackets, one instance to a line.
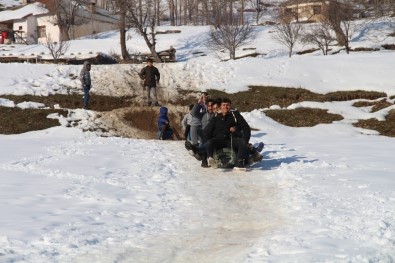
[4, 35]
[1, 39]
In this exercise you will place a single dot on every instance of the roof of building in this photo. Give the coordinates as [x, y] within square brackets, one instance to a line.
[38, 9]
[31, 9]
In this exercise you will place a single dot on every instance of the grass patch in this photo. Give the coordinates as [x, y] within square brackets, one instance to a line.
[389, 46]
[302, 117]
[74, 101]
[15, 120]
[353, 95]
[386, 128]
[265, 96]
[307, 51]
[357, 49]
[377, 105]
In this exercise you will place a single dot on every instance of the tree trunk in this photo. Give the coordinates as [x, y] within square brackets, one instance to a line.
[230, 11]
[157, 11]
[185, 13]
[122, 34]
[232, 53]
[151, 46]
[172, 11]
[347, 45]
[64, 33]
[242, 13]
[140, 12]
[64, 30]
[176, 12]
[340, 37]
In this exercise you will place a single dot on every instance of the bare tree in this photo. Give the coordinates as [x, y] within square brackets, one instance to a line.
[147, 25]
[242, 3]
[64, 12]
[172, 12]
[230, 37]
[191, 12]
[320, 35]
[120, 7]
[338, 16]
[157, 11]
[56, 48]
[257, 5]
[374, 8]
[287, 32]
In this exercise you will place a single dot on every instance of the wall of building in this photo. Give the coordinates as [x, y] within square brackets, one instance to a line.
[305, 11]
[50, 28]
[26, 29]
[92, 27]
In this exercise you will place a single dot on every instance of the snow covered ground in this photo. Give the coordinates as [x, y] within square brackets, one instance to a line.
[322, 194]
[11, 3]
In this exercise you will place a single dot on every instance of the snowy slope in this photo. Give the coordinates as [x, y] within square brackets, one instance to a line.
[322, 194]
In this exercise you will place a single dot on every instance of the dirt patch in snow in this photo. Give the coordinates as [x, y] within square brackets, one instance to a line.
[141, 122]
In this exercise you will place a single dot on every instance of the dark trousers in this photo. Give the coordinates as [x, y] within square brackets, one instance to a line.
[86, 96]
[186, 133]
[165, 132]
[239, 146]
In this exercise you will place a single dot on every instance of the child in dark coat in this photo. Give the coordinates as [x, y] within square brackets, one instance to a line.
[165, 132]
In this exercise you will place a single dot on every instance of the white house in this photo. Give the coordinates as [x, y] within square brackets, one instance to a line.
[309, 10]
[22, 21]
[32, 23]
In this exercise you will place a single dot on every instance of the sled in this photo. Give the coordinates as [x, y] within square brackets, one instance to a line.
[225, 158]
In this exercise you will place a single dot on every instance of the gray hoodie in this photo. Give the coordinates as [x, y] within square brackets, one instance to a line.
[85, 75]
[201, 115]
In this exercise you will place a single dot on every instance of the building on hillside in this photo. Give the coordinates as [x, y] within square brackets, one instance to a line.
[20, 22]
[32, 23]
[308, 10]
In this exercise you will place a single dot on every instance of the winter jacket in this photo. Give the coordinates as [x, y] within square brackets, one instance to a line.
[200, 111]
[197, 113]
[150, 75]
[186, 120]
[206, 119]
[163, 119]
[219, 127]
[85, 75]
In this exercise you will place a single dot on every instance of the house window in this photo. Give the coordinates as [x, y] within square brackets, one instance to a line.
[20, 28]
[316, 9]
[41, 31]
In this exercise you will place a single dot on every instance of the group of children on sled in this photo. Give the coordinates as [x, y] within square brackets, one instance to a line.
[214, 134]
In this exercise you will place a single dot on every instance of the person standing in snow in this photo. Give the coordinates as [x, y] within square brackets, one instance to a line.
[151, 76]
[186, 123]
[165, 132]
[85, 78]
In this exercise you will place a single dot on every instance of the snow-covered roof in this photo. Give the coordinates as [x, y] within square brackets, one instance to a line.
[31, 9]
[10, 3]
